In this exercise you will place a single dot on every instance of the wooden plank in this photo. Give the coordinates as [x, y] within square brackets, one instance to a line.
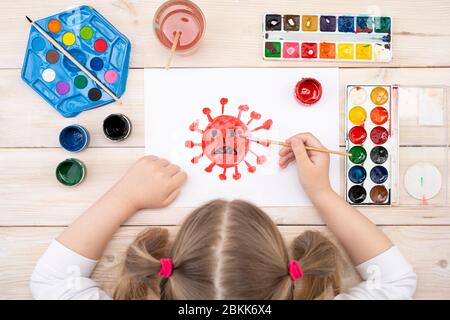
[33, 196]
[234, 30]
[426, 248]
[31, 122]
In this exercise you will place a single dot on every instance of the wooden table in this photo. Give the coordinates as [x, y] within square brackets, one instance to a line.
[34, 207]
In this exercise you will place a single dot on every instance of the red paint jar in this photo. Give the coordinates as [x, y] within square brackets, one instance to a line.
[308, 91]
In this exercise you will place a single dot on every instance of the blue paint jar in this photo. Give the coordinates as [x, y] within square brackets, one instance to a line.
[379, 174]
[74, 138]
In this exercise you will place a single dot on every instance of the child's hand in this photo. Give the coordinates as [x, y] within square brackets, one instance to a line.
[312, 166]
[151, 182]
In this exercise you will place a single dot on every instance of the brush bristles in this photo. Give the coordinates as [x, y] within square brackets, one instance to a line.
[28, 18]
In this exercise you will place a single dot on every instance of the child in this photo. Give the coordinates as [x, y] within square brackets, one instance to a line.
[224, 250]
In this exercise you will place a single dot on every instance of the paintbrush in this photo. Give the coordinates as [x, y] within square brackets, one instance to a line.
[75, 62]
[267, 142]
[176, 39]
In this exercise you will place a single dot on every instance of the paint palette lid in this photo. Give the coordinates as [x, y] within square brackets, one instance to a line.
[94, 42]
[423, 145]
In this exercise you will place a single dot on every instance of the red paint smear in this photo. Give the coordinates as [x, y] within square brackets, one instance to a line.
[379, 135]
[100, 45]
[309, 50]
[226, 140]
[357, 135]
[379, 115]
[308, 91]
[366, 30]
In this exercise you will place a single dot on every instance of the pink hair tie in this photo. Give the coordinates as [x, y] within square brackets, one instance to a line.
[295, 271]
[166, 267]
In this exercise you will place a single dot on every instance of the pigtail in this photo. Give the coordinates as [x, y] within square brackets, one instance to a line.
[320, 262]
[140, 278]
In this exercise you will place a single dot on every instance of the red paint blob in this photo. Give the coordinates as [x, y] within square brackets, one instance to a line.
[308, 91]
[309, 50]
[357, 135]
[379, 135]
[100, 45]
[379, 115]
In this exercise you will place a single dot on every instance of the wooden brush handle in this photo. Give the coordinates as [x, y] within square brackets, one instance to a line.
[282, 143]
[176, 39]
[75, 62]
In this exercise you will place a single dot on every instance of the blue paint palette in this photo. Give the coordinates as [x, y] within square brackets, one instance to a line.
[93, 42]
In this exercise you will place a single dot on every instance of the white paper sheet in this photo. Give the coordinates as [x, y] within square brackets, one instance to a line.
[175, 98]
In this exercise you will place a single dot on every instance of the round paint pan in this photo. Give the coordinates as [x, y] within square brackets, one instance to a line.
[357, 194]
[357, 135]
[117, 127]
[74, 138]
[308, 91]
[379, 194]
[357, 115]
[358, 95]
[358, 154]
[71, 172]
[379, 96]
[357, 174]
[379, 174]
[379, 155]
[379, 135]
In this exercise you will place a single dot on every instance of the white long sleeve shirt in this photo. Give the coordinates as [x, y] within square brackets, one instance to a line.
[62, 273]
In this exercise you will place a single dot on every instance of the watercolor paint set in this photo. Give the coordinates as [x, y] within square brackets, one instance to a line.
[94, 42]
[360, 38]
[398, 138]
[368, 139]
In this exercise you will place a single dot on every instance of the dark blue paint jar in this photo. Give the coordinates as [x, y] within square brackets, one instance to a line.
[74, 138]
[379, 174]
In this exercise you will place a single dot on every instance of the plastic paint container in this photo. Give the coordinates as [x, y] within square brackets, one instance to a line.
[116, 127]
[308, 91]
[71, 172]
[74, 138]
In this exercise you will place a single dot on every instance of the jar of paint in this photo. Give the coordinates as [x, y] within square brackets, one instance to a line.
[74, 138]
[308, 91]
[116, 127]
[71, 172]
[179, 16]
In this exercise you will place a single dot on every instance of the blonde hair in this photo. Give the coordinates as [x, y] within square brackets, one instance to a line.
[228, 250]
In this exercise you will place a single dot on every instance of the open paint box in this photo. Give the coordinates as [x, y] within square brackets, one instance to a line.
[357, 38]
[398, 137]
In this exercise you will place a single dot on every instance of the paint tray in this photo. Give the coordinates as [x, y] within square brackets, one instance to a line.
[93, 42]
[368, 127]
[329, 37]
[421, 131]
[418, 146]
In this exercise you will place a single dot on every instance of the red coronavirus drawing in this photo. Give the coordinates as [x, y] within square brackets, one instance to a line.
[226, 140]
